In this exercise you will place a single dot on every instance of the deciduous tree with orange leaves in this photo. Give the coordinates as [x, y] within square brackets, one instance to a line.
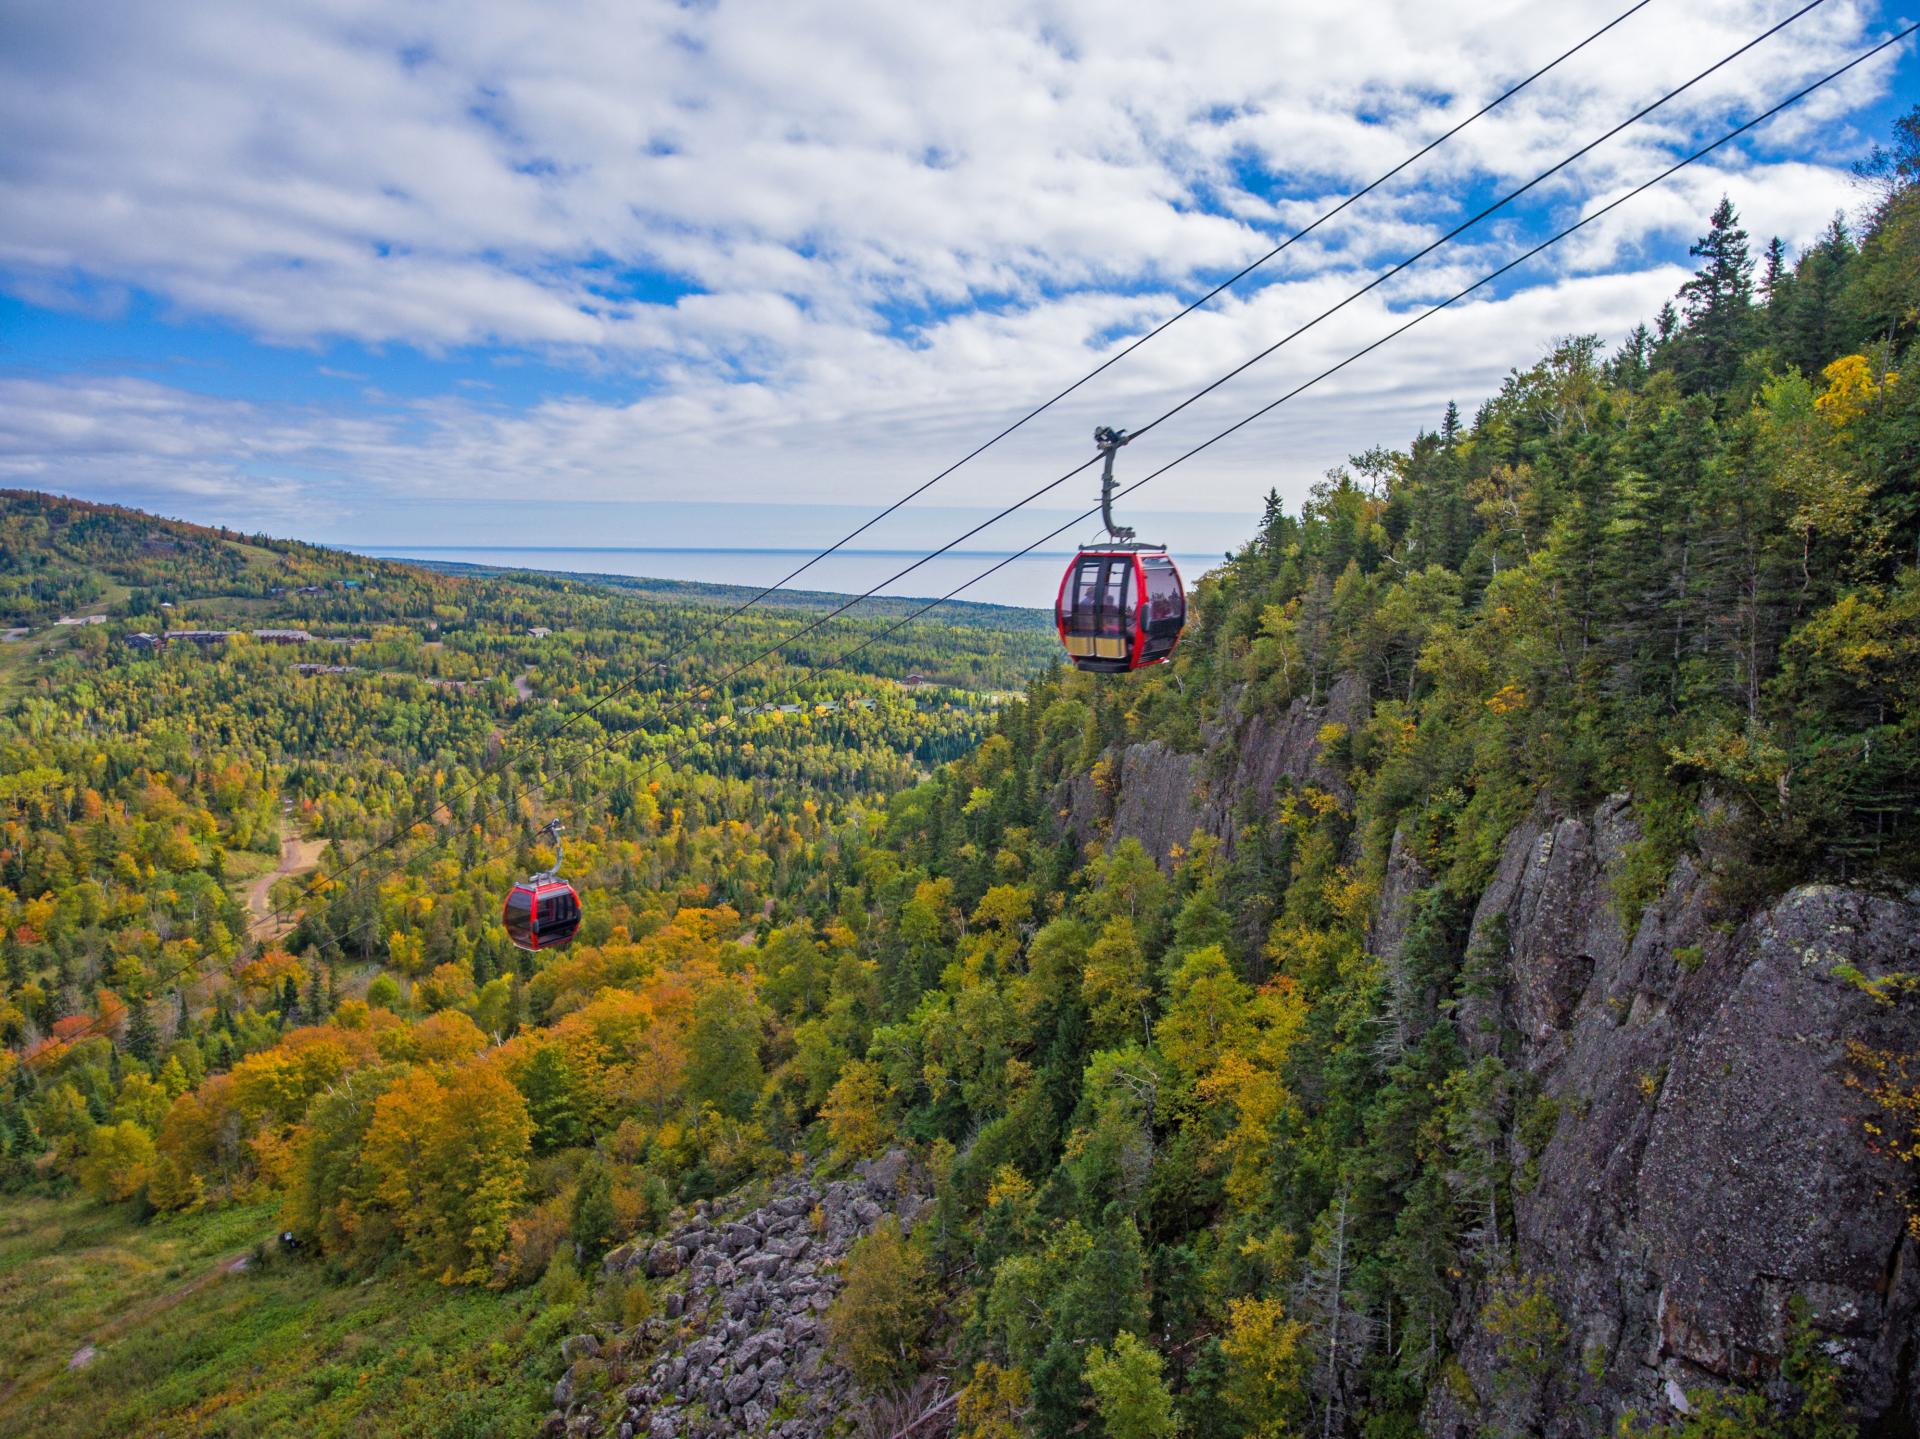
[448, 1153]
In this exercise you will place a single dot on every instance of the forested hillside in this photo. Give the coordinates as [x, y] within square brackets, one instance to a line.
[1471, 990]
[1473, 818]
[241, 699]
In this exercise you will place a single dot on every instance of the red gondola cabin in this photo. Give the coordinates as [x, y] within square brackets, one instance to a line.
[542, 913]
[1120, 609]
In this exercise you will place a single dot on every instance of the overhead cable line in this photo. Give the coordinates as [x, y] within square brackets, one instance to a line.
[817, 623]
[627, 685]
[1427, 314]
[1220, 288]
[1585, 220]
[1264, 410]
[842, 658]
[1424, 315]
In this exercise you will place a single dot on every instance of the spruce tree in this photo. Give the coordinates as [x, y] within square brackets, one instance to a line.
[1776, 272]
[1102, 1296]
[1814, 326]
[143, 1038]
[1628, 369]
[593, 1217]
[1719, 304]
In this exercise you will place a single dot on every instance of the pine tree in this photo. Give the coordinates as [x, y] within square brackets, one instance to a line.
[143, 1037]
[1775, 274]
[593, 1217]
[1719, 304]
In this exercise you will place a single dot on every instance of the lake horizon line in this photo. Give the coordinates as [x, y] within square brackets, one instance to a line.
[377, 550]
[992, 577]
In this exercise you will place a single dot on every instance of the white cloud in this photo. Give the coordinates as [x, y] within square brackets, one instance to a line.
[443, 177]
[824, 438]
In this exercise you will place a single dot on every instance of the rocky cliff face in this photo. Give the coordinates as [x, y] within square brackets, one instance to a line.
[1160, 797]
[1707, 1163]
[739, 1344]
[1692, 1163]
[1701, 1159]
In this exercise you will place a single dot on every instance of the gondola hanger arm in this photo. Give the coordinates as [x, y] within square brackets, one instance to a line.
[1108, 441]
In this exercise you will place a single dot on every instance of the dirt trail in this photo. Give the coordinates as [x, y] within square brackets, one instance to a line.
[296, 854]
[21, 1388]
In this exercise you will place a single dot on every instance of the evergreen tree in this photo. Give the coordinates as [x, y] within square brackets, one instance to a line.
[1129, 1393]
[143, 1038]
[1628, 369]
[1884, 296]
[1719, 304]
[593, 1218]
[1775, 275]
[1342, 1332]
[1813, 325]
[553, 1099]
[1102, 1297]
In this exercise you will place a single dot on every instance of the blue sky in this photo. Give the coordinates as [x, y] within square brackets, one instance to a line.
[731, 272]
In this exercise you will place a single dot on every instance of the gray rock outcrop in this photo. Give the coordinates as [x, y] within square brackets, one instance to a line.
[1160, 797]
[1705, 1163]
[1708, 1164]
[739, 1346]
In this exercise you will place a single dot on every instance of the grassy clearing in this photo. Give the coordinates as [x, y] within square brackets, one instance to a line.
[20, 662]
[245, 866]
[186, 1347]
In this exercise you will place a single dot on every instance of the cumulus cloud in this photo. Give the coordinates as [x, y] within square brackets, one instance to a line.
[828, 247]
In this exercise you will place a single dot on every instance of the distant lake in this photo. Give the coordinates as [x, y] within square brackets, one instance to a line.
[1031, 581]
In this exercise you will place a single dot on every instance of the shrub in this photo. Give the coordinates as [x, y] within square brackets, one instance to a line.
[877, 1324]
